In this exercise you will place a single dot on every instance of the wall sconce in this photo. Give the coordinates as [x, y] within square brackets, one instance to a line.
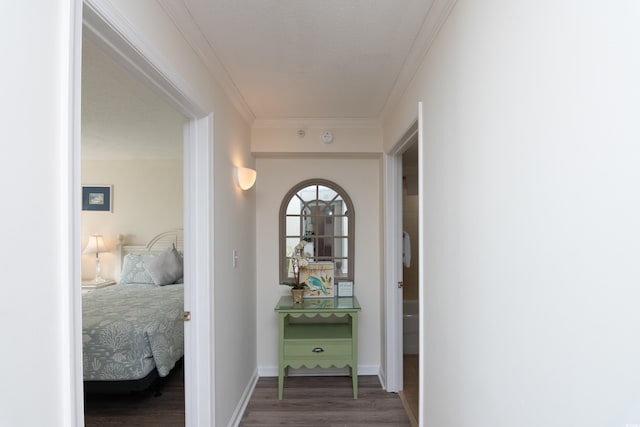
[96, 245]
[245, 177]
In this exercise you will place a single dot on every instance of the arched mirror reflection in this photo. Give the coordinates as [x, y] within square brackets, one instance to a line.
[320, 213]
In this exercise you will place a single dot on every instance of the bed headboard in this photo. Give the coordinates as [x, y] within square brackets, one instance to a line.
[158, 243]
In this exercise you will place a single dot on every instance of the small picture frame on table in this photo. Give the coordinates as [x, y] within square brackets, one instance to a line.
[345, 288]
[97, 198]
[319, 279]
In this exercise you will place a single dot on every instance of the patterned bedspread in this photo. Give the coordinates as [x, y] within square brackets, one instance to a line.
[127, 330]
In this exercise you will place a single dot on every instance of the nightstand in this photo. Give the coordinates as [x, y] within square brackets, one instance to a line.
[328, 336]
[91, 285]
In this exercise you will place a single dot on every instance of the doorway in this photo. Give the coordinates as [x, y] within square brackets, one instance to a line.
[116, 37]
[410, 279]
[132, 141]
[396, 180]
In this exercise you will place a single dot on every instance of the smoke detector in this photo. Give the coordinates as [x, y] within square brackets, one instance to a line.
[327, 137]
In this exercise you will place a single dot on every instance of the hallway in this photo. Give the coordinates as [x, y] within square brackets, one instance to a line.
[324, 402]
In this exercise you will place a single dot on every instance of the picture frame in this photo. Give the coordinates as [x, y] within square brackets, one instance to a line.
[319, 279]
[97, 198]
[345, 288]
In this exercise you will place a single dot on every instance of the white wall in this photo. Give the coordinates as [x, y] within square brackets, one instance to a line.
[147, 199]
[34, 177]
[361, 179]
[36, 172]
[532, 220]
[348, 137]
[234, 217]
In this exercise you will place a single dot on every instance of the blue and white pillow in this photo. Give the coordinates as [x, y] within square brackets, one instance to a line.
[133, 270]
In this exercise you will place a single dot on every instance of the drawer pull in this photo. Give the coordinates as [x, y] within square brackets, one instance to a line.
[318, 350]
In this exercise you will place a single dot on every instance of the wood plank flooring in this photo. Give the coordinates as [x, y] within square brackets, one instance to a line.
[308, 402]
[140, 409]
[410, 393]
[323, 402]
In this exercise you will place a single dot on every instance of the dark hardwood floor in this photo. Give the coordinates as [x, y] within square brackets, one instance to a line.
[161, 407]
[323, 402]
[308, 402]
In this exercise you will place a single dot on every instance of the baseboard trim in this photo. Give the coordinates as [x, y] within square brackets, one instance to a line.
[407, 408]
[244, 401]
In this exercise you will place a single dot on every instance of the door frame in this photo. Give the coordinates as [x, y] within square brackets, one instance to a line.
[393, 254]
[112, 32]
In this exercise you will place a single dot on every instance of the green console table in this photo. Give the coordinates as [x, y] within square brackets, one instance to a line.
[318, 333]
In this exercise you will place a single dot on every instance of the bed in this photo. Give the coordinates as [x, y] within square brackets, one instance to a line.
[133, 332]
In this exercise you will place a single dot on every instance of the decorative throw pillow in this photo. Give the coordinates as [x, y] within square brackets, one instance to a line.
[165, 268]
[133, 270]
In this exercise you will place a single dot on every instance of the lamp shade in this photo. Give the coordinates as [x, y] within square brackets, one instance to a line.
[245, 177]
[95, 245]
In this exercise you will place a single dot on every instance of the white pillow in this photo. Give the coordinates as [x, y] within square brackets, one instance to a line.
[166, 267]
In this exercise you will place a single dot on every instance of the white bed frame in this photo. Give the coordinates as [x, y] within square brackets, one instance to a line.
[157, 244]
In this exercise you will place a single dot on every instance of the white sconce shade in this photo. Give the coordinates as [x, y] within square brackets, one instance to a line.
[245, 177]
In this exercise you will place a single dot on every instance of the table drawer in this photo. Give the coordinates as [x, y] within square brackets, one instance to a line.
[317, 349]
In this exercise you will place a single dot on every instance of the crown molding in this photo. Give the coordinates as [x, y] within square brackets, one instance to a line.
[288, 155]
[316, 123]
[436, 17]
[183, 20]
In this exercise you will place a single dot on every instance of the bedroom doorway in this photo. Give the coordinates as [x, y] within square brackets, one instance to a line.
[105, 27]
[132, 145]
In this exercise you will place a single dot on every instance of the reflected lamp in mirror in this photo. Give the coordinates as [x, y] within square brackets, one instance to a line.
[245, 177]
[96, 245]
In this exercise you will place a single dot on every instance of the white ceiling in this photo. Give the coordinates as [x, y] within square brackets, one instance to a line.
[289, 59]
[278, 60]
[121, 118]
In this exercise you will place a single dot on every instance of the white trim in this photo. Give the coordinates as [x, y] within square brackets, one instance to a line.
[393, 271]
[69, 229]
[185, 23]
[436, 17]
[316, 123]
[110, 30]
[236, 417]
[393, 266]
[315, 155]
[198, 221]
[421, 257]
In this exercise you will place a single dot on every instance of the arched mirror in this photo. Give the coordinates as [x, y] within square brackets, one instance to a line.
[320, 213]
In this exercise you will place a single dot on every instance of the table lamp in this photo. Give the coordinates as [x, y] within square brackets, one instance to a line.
[95, 245]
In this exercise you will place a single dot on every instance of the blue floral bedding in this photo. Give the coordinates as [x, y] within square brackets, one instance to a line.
[130, 329]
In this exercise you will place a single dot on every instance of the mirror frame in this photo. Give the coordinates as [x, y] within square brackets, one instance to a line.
[282, 254]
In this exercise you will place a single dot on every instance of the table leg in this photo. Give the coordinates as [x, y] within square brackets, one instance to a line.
[354, 382]
[280, 382]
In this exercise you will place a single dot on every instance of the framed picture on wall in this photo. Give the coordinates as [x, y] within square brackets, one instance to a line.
[97, 198]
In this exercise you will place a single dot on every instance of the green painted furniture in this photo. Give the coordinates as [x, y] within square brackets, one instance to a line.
[318, 333]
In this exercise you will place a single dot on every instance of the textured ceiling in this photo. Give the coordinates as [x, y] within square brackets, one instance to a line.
[276, 59]
[121, 118]
[290, 59]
